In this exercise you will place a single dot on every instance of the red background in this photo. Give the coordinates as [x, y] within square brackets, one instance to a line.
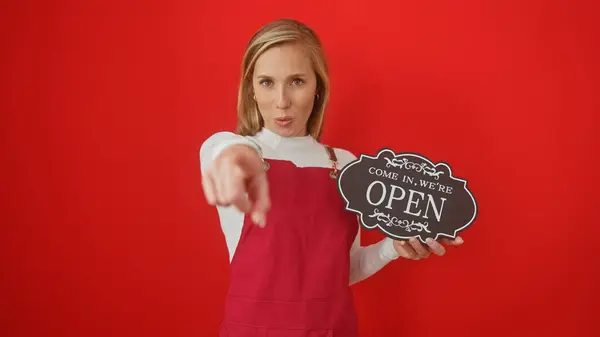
[105, 231]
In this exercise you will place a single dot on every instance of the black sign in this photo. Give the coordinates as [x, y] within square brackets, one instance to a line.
[405, 195]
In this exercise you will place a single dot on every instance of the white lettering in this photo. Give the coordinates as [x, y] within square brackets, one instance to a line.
[369, 193]
[394, 187]
[411, 201]
[438, 214]
[382, 173]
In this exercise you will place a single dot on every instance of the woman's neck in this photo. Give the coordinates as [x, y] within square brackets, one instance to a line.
[275, 140]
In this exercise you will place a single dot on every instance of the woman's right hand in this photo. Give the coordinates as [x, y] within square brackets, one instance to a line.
[237, 178]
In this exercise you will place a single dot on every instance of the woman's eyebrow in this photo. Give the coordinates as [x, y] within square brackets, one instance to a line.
[292, 75]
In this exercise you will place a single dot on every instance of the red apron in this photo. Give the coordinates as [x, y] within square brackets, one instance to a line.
[291, 278]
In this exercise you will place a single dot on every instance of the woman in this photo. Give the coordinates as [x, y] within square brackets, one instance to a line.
[294, 250]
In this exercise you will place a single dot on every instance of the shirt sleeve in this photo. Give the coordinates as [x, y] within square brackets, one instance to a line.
[218, 142]
[365, 261]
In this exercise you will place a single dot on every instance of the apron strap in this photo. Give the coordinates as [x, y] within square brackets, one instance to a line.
[333, 158]
[331, 153]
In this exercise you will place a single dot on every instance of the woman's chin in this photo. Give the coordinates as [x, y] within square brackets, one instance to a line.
[287, 130]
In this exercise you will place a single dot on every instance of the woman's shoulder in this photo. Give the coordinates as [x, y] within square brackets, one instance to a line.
[219, 141]
[344, 156]
[225, 138]
[221, 136]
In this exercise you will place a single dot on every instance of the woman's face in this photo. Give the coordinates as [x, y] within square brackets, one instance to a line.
[285, 86]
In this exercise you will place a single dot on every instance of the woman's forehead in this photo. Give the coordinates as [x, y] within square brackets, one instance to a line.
[283, 60]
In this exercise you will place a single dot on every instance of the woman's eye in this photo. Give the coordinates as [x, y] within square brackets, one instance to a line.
[298, 81]
[265, 83]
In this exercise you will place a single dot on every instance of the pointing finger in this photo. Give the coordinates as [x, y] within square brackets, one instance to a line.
[259, 196]
[234, 188]
[242, 204]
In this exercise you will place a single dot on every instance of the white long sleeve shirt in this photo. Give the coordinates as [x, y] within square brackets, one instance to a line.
[303, 152]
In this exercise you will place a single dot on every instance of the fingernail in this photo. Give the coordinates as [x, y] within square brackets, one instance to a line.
[459, 240]
[262, 219]
[402, 243]
[256, 218]
[429, 241]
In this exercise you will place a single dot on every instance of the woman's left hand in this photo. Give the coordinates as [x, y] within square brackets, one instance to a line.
[413, 249]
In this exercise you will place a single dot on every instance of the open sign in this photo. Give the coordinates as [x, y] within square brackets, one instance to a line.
[406, 195]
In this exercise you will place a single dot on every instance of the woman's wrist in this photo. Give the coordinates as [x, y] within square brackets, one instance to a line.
[387, 250]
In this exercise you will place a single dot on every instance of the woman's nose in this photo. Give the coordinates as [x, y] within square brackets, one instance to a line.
[283, 100]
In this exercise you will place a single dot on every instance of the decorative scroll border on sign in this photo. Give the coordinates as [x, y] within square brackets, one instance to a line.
[407, 225]
[408, 165]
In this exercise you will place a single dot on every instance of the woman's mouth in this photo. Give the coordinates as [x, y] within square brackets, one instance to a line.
[283, 121]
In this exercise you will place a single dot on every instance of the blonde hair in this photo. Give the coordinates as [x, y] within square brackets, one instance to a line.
[275, 33]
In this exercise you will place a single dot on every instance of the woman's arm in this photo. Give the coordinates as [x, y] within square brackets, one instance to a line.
[367, 260]
[230, 217]
[218, 142]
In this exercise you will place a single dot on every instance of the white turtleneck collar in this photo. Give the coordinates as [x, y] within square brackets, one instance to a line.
[275, 141]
